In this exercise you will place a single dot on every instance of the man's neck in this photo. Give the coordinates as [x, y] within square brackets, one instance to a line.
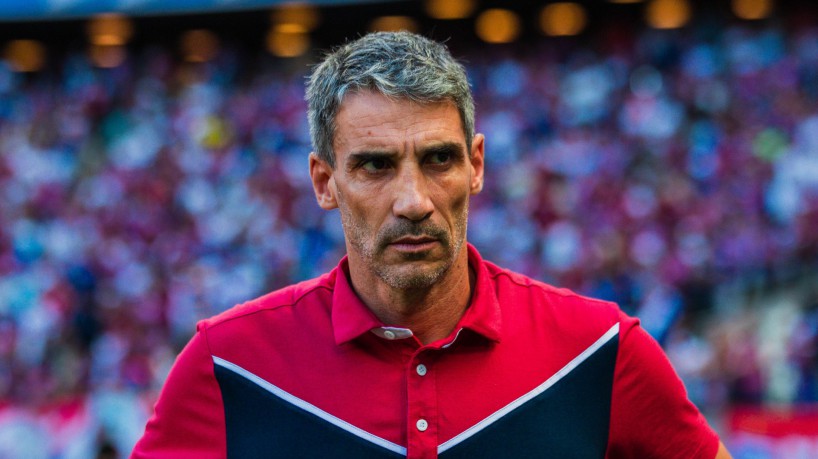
[430, 313]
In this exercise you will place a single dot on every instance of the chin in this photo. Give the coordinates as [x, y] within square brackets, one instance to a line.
[413, 278]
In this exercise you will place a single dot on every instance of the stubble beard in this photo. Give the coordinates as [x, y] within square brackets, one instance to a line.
[398, 277]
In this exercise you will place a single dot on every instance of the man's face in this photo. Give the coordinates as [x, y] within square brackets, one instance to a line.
[402, 182]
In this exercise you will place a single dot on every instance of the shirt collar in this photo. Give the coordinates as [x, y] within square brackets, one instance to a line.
[483, 315]
[351, 318]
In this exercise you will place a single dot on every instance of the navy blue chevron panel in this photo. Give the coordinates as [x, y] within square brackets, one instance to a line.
[261, 425]
[568, 420]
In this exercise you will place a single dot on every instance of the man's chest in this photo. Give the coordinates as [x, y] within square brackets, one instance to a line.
[471, 400]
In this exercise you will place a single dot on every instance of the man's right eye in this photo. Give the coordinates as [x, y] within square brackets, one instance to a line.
[374, 165]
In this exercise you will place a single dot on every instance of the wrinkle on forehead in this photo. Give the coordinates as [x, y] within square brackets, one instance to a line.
[372, 120]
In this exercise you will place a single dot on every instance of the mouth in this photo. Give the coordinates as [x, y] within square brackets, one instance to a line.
[413, 243]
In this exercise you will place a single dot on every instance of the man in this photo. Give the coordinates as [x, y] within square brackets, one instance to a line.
[414, 346]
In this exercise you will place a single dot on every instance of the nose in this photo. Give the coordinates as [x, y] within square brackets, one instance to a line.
[412, 200]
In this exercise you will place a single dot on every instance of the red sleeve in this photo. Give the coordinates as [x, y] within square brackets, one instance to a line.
[651, 415]
[188, 419]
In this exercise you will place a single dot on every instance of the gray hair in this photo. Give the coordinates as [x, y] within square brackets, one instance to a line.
[396, 64]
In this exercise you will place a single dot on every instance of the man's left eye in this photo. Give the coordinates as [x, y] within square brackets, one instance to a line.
[440, 158]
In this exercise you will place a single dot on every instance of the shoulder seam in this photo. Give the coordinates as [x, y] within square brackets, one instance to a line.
[549, 289]
[266, 308]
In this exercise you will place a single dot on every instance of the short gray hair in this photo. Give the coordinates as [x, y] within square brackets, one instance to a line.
[396, 64]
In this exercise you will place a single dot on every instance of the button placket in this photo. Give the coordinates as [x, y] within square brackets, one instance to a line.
[422, 407]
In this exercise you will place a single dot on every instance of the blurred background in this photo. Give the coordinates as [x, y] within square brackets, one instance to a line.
[153, 171]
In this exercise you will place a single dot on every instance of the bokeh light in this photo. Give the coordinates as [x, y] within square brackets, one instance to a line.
[393, 24]
[109, 29]
[305, 15]
[287, 40]
[563, 19]
[752, 9]
[498, 25]
[199, 45]
[25, 55]
[668, 14]
[449, 9]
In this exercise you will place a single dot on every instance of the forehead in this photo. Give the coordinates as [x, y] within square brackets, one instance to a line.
[371, 119]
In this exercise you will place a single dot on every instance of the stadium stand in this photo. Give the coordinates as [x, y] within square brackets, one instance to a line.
[675, 172]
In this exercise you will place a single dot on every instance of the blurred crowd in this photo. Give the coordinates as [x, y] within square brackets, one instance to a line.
[650, 169]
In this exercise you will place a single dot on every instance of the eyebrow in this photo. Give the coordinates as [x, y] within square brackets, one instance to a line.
[453, 148]
[366, 155]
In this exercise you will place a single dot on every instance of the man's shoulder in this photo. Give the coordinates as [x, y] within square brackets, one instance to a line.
[277, 300]
[514, 285]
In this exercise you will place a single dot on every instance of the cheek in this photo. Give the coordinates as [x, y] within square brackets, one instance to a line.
[362, 211]
[456, 203]
[461, 203]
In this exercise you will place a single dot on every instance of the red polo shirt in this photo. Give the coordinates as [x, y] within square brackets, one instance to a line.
[529, 371]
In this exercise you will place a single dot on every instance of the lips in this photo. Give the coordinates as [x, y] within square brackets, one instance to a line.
[413, 243]
[413, 240]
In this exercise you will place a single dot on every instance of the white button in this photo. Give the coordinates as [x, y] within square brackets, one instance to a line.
[389, 334]
[422, 425]
[421, 369]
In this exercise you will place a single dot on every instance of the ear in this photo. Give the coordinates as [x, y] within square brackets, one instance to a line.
[477, 160]
[323, 182]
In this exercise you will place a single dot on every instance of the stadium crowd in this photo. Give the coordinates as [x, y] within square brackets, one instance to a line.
[648, 169]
